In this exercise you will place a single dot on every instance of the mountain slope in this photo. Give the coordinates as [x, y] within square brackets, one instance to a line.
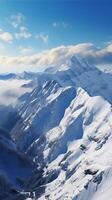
[15, 168]
[80, 160]
[44, 110]
[65, 126]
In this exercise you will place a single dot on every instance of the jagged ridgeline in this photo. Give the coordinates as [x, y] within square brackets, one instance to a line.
[55, 134]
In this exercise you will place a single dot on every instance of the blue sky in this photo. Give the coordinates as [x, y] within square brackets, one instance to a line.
[31, 26]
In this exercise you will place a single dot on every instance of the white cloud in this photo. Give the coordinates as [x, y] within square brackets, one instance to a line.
[23, 33]
[42, 37]
[60, 24]
[6, 36]
[11, 90]
[25, 50]
[16, 20]
[57, 57]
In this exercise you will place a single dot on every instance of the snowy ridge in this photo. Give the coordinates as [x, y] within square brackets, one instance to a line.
[69, 139]
[65, 126]
[82, 163]
[48, 103]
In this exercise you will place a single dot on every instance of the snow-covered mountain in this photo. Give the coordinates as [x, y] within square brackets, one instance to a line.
[63, 124]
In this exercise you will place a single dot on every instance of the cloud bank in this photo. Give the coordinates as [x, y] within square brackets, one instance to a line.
[11, 90]
[57, 56]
